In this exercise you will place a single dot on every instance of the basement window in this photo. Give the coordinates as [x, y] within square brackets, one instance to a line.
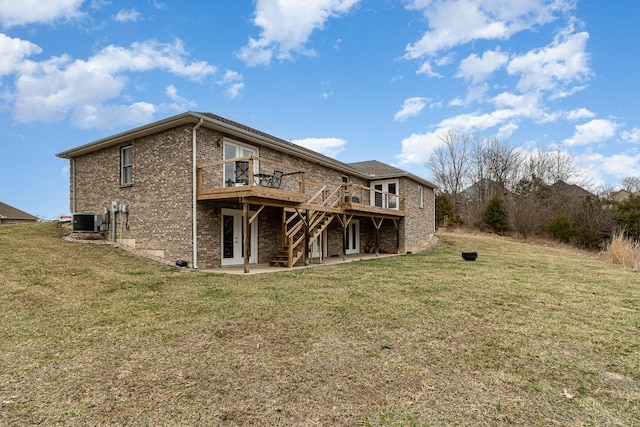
[126, 165]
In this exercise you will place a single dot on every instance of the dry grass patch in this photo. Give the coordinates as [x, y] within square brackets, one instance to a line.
[524, 336]
[624, 251]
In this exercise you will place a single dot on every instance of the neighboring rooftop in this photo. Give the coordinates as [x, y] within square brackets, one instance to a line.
[570, 189]
[9, 214]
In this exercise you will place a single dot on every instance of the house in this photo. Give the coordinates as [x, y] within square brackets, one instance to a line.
[187, 187]
[570, 190]
[11, 215]
[622, 195]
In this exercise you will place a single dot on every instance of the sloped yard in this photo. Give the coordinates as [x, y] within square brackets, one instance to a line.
[525, 335]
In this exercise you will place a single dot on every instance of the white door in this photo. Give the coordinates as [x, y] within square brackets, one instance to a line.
[233, 238]
[353, 237]
[233, 150]
[315, 246]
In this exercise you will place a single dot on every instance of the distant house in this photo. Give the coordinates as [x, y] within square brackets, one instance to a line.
[483, 190]
[571, 190]
[11, 215]
[622, 195]
[211, 192]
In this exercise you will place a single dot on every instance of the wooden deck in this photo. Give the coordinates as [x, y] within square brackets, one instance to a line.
[293, 191]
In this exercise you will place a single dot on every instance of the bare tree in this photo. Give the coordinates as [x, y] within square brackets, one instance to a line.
[494, 171]
[550, 166]
[449, 164]
[631, 184]
[502, 162]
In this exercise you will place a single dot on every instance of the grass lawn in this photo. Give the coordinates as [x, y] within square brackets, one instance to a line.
[525, 335]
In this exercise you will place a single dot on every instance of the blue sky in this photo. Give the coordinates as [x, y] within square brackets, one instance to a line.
[354, 79]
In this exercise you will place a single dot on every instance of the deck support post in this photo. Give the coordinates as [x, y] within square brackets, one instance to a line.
[246, 235]
[377, 226]
[306, 239]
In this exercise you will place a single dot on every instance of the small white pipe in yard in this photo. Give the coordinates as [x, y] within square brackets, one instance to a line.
[194, 202]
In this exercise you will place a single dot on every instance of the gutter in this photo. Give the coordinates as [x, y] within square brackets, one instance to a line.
[194, 201]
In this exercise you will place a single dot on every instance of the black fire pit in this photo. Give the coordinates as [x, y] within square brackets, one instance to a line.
[469, 256]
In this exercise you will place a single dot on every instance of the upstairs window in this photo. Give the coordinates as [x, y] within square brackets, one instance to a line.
[420, 197]
[384, 194]
[233, 170]
[126, 165]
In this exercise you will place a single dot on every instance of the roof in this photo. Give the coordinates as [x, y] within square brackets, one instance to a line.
[378, 170]
[570, 189]
[234, 128]
[9, 212]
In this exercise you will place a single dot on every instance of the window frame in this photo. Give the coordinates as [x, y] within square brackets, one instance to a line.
[228, 172]
[385, 202]
[420, 197]
[124, 167]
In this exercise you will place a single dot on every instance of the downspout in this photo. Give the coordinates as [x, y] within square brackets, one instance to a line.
[194, 200]
[73, 186]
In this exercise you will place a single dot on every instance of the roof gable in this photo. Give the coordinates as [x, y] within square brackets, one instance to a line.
[10, 212]
[374, 169]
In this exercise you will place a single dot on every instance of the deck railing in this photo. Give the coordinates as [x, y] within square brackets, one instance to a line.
[252, 171]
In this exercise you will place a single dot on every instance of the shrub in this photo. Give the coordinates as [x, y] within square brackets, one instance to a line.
[561, 228]
[444, 210]
[588, 237]
[628, 216]
[496, 215]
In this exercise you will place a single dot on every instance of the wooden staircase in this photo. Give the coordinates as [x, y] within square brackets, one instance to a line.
[298, 223]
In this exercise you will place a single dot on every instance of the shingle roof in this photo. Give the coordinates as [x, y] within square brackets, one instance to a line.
[570, 189]
[374, 167]
[10, 212]
[378, 170]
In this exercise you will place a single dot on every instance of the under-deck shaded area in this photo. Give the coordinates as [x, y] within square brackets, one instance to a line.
[307, 207]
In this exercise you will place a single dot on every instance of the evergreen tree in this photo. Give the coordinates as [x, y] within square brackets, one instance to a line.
[496, 215]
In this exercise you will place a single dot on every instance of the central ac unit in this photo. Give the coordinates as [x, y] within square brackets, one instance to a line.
[86, 222]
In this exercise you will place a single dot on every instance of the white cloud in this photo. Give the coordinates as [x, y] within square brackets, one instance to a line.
[286, 26]
[106, 116]
[410, 108]
[22, 12]
[581, 113]
[456, 22]
[127, 15]
[631, 136]
[554, 67]
[14, 51]
[327, 91]
[179, 103]
[417, 147]
[328, 146]
[617, 166]
[61, 87]
[479, 122]
[478, 69]
[427, 69]
[591, 132]
[233, 81]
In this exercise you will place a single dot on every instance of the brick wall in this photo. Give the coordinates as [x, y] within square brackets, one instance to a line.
[419, 223]
[159, 200]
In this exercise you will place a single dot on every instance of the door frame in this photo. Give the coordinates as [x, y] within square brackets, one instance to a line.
[352, 230]
[238, 225]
